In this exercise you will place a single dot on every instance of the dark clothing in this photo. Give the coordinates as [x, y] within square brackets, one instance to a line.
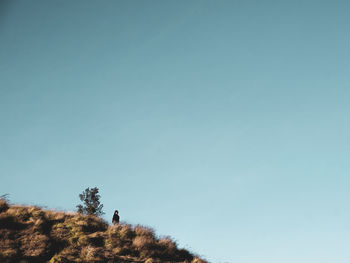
[115, 219]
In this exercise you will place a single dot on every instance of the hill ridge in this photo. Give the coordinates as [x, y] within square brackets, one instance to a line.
[30, 234]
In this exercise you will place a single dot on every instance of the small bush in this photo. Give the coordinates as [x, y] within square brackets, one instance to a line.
[91, 202]
[126, 232]
[3, 205]
[144, 231]
[8, 246]
[34, 245]
[88, 253]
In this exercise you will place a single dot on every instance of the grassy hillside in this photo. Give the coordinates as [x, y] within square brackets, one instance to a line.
[31, 234]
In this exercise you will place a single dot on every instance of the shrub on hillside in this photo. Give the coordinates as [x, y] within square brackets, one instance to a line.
[91, 202]
[3, 205]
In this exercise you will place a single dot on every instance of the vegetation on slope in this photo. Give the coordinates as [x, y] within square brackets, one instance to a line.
[31, 234]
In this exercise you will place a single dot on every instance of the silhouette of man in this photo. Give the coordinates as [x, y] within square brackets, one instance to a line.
[115, 219]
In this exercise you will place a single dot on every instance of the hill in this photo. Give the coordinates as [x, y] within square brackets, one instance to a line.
[31, 234]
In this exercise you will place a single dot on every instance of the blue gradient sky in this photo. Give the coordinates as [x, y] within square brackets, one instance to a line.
[224, 124]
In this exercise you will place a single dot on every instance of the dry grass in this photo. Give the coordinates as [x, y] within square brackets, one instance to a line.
[31, 234]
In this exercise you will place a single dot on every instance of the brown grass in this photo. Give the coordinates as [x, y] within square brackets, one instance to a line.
[30, 234]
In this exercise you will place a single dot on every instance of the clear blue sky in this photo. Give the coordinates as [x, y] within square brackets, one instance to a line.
[224, 124]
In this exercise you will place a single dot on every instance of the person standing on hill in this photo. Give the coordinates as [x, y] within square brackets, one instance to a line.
[115, 219]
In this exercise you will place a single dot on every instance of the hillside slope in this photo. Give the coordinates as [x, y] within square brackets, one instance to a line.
[31, 234]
